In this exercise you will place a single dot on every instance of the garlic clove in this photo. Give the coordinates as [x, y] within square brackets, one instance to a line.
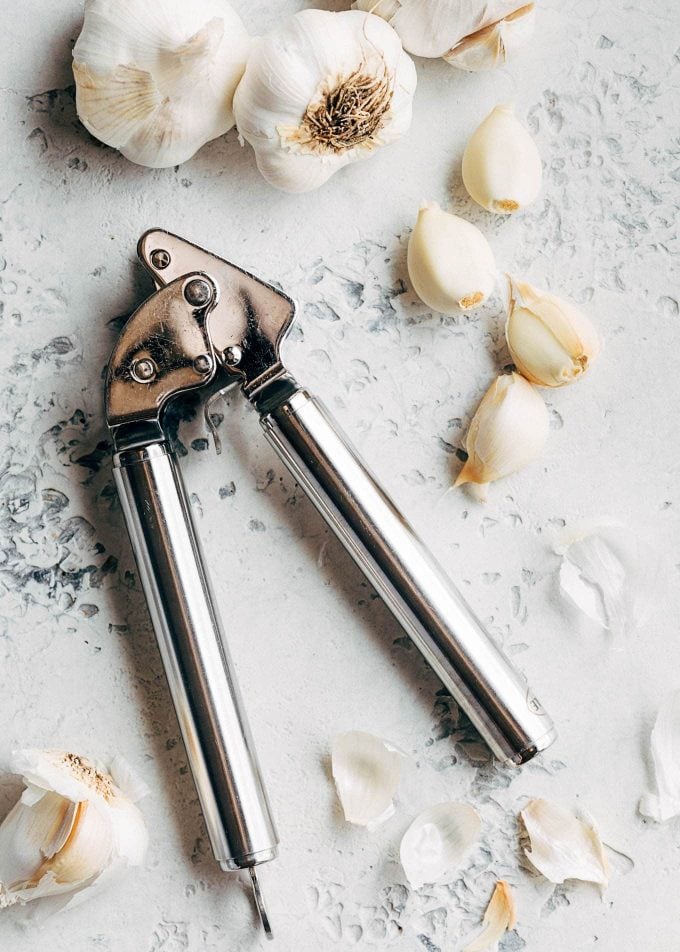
[665, 744]
[450, 262]
[563, 846]
[493, 45]
[551, 342]
[437, 842]
[507, 432]
[366, 771]
[502, 168]
[156, 81]
[321, 91]
[500, 916]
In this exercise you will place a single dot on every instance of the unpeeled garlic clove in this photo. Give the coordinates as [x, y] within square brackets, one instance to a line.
[502, 168]
[507, 432]
[437, 842]
[450, 262]
[366, 771]
[563, 846]
[551, 342]
[496, 43]
[500, 916]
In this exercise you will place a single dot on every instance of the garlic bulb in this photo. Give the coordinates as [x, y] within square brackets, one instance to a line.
[71, 830]
[563, 846]
[551, 342]
[665, 803]
[469, 34]
[366, 771]
[507, 432]
[500, 916]
[502, 168]
[450, 262]
[156, 80]
[321, 91]
[437, 842]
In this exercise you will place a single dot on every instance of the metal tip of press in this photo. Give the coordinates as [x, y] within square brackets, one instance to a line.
[259, 902]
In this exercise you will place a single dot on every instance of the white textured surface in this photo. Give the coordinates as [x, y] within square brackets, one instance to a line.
[316, 652]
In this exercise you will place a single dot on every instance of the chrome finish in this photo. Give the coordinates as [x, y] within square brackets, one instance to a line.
[493, 694]
[197, 292]
[207, 701]
[260, 903]
[160, 259]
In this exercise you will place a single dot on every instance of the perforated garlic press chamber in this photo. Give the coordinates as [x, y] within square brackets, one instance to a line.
[209, 325]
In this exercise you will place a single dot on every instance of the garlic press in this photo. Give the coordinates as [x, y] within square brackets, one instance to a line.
[210, 325]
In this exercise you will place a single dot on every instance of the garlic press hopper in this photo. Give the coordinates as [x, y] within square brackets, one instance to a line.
[210, 324]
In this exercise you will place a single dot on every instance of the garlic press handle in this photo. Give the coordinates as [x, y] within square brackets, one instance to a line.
[199, 672]
[490, 690]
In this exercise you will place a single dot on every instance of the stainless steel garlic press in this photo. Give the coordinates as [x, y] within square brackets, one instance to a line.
[209, 325]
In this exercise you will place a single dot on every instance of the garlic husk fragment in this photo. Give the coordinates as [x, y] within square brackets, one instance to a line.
[500, 917]
[665, 744]
[156, 80]
[551, 342]
[71, 829]
[437, 842]
[496, 43]
[366, 771]
[507, 432]
[323, 90]
[563, 846]
[450, 262]
[502, 168]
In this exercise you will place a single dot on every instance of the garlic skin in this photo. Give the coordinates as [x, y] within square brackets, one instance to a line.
[450, 262]
[500, 916]
[665, 745]
[507, 432]
[563, 846]
[495, 44]
[156, 80]
[321, 91]
[502, 168]
[437, 842]
[551, 342]
[366, 771]
[72, 828]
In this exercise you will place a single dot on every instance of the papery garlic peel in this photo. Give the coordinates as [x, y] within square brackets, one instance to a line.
[500, 916]
[495, 44]
[437, 842]
[562, 845]
[366, 771]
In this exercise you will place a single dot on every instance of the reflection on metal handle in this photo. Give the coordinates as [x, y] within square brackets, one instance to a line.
[206, 698]
[493, 694]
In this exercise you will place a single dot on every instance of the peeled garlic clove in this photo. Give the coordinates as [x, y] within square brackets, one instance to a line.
[502, 168]
[500, 916]
[156, 80]
[450, 262]
[366, 771]
[562, 846]
[665, 803]
[507, 432]
[496, 43]
[323, 90]
[551, 342]
[437, 842]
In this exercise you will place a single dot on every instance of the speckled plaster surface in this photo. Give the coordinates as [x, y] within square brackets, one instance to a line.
[316, 651]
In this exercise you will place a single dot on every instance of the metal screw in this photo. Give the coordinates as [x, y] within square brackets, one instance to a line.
[203, 364]
[144, 370]
[197, 292]
[232, 355]
[160, 259]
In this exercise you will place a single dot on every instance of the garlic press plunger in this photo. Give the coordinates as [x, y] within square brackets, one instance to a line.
[209, 325]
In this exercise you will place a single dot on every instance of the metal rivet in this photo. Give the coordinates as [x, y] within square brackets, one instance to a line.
[232, 355]
[203, 364]
[160, 259]
[144, 370]
[197, 292]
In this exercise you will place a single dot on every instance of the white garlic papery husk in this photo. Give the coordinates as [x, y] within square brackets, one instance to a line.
[496, 43]
[500, 916]
[322, 90]
[613, 576]
[366, 771]
[156, 80]
[562, 845]
[507, 432]
[437, 842]
[450, 262]
[72, 829]
[665, 803]
[551, 342]
[502, 168]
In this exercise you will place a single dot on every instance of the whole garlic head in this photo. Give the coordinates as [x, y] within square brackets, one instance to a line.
[502, 168]
[321, 91]
[156, 80]
[551, 342]
[450, 262]
[72, 829]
